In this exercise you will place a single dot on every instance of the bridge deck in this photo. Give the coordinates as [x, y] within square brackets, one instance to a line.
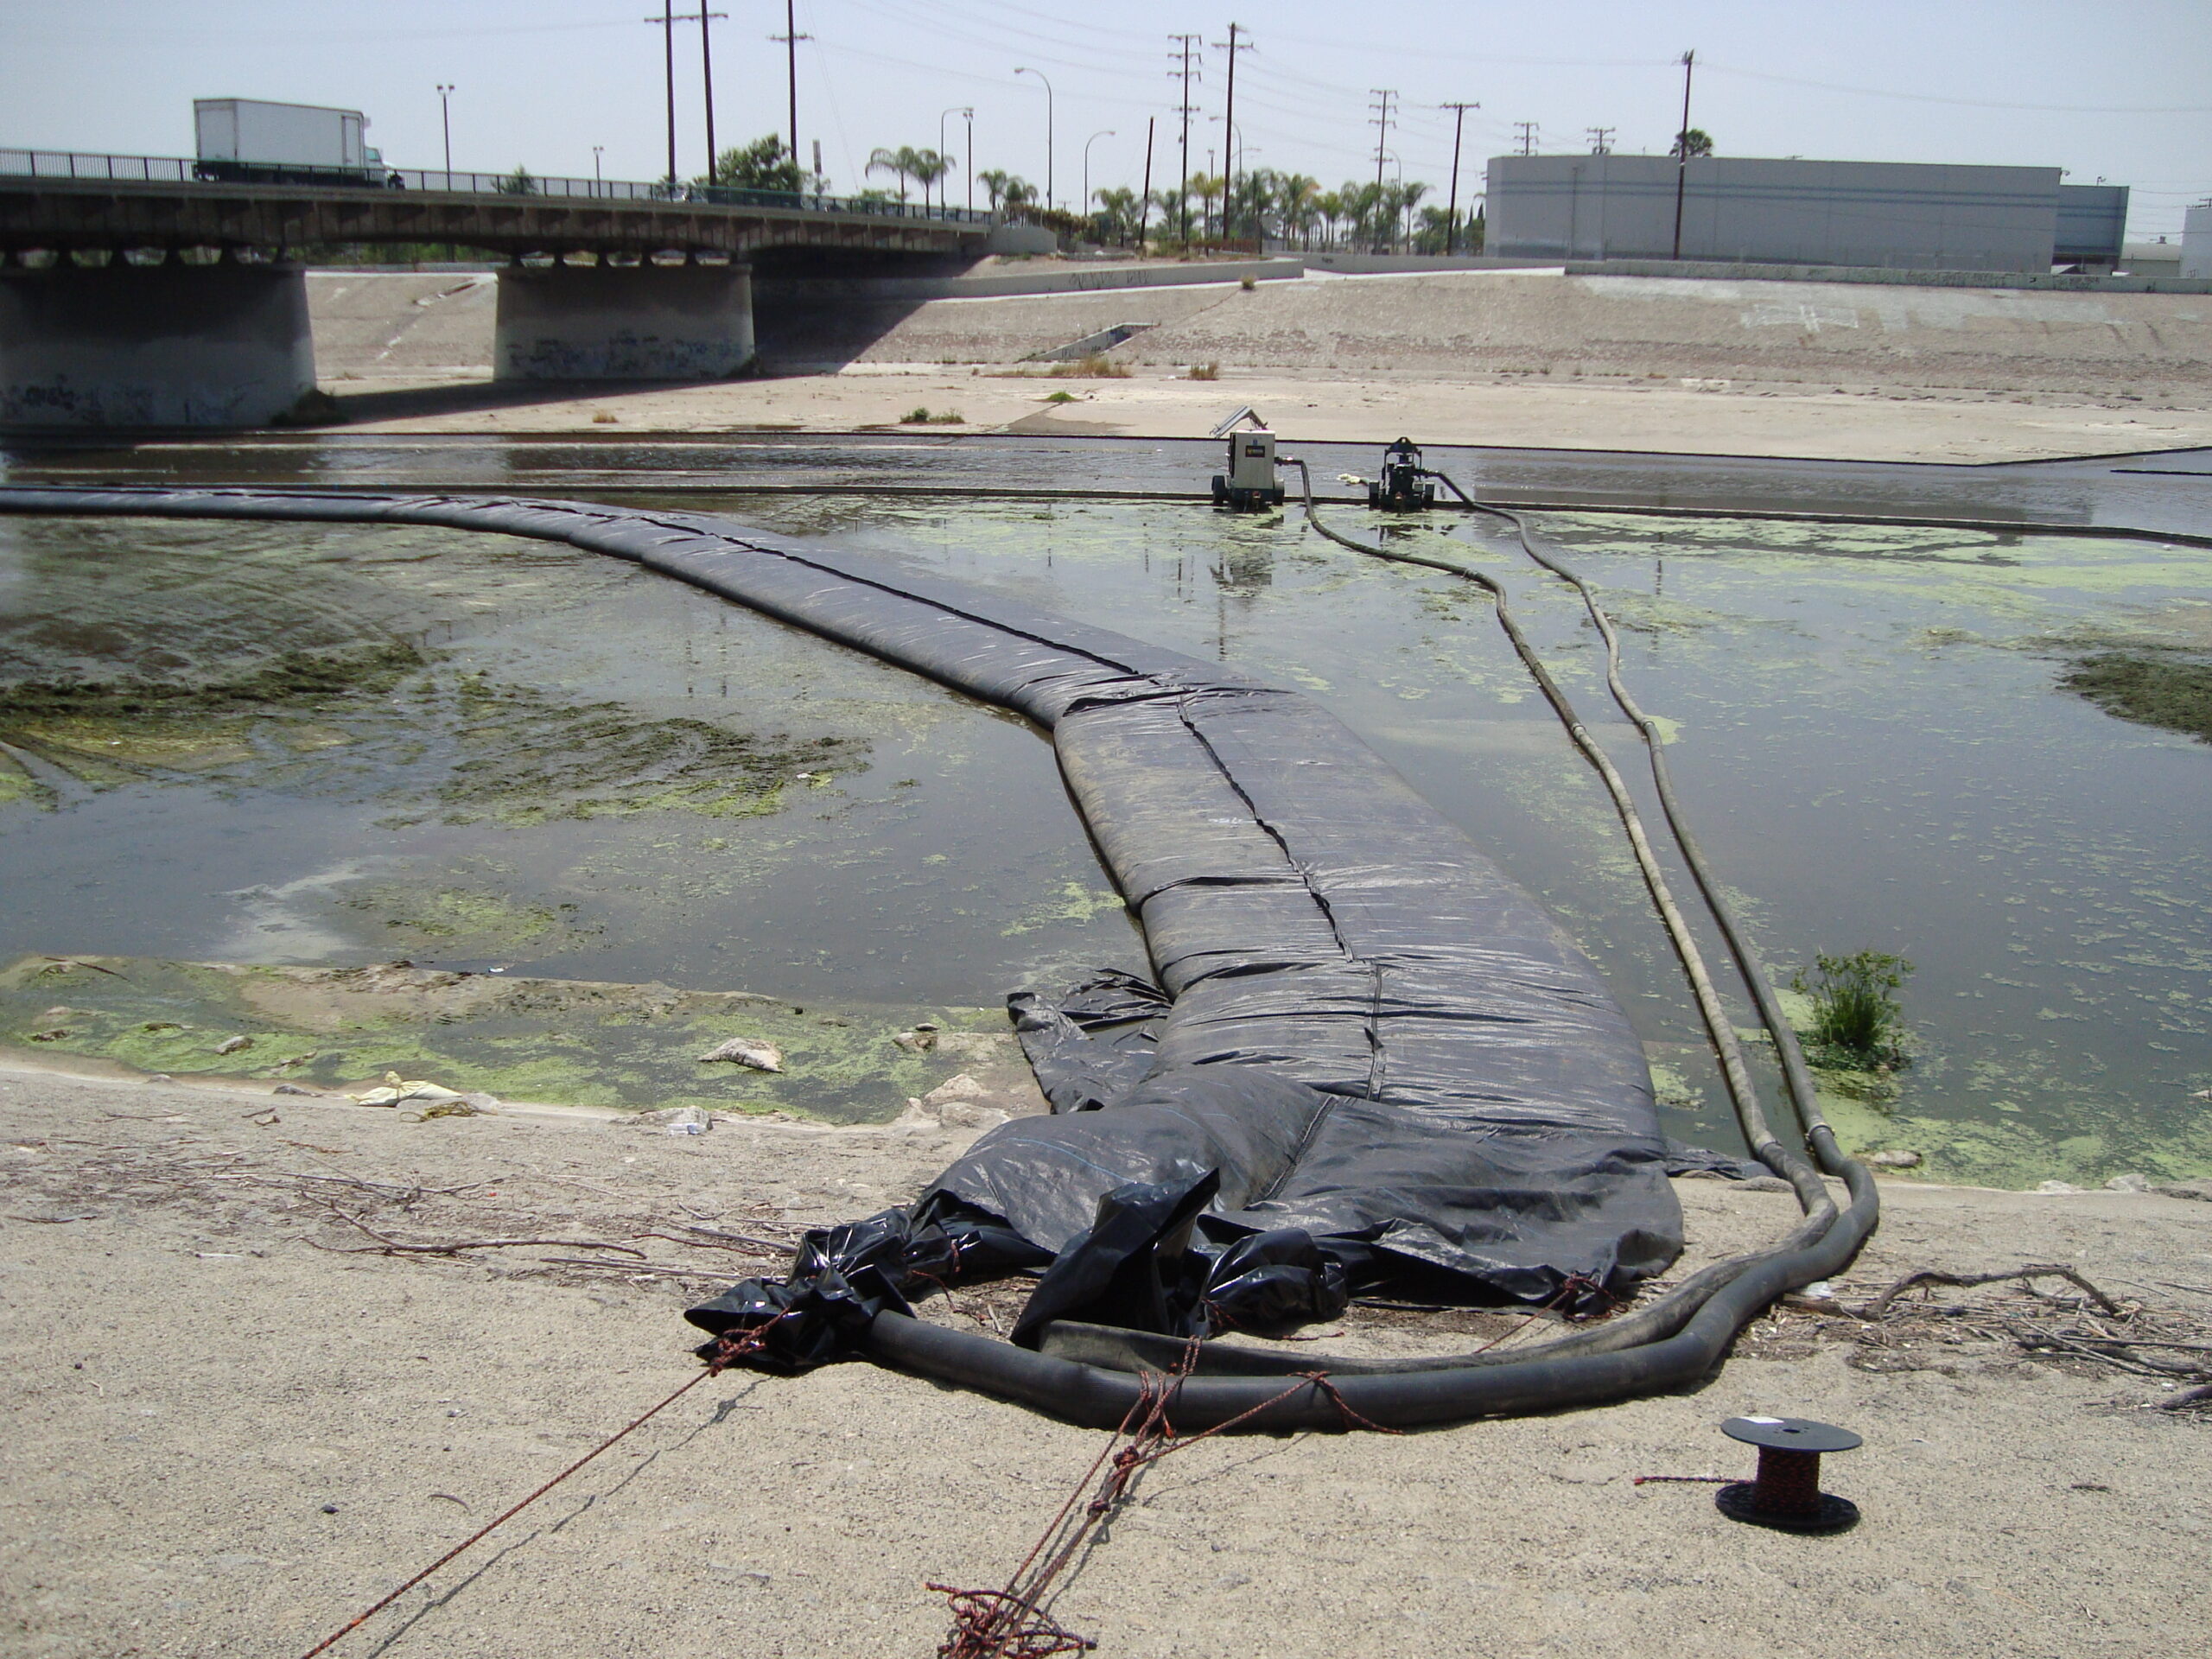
[65, 202]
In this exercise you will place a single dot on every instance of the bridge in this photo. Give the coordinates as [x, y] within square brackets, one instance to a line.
[159, 291]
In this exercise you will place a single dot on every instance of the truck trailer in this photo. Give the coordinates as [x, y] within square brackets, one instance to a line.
[246, 141]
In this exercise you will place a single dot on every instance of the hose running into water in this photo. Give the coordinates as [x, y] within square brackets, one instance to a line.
[1783, 1159]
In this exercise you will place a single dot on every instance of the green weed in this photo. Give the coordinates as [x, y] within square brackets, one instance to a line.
[1856, 1019]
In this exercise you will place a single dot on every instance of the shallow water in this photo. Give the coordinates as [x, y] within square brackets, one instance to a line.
[1869, 729]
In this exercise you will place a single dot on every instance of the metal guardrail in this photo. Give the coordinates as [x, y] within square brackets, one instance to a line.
[169, 169]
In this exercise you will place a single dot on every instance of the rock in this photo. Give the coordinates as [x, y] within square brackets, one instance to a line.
[962, 1087]
[2130, 1182]
[291, 1089]
[1894, 1159]
[53, 1036]
[919, 1040]
[159, 1077]
[1764, 1184]
[2056, 1187]
[747, 1050]
[233, 1045]
[687, 1119]
[968, 1114]
[397, 1091]
[2201, 1191]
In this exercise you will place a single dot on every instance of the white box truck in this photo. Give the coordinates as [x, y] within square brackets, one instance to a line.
[243, 140]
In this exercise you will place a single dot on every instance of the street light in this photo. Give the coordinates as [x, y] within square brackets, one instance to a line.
[445, 119]
[1087, 143]
[1040, 73]
[598, 179]
[970, 114]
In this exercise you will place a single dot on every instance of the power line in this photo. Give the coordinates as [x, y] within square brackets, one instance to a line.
[1381, 122]
[1963, 103]
[1601, 139]
[703, 18]
[1682, 150]
[1232, 46]
[791, 37]
[1452, 212]
[1188, 46]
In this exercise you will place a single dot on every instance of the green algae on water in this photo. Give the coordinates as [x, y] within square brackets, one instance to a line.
[2169, 689]
[561, 1041]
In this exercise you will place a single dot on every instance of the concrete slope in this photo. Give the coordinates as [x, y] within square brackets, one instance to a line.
[1457, 326]
[378, 325]
[1520, 323]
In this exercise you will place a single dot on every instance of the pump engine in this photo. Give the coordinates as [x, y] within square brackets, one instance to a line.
[1250, 484]
[1402, 488]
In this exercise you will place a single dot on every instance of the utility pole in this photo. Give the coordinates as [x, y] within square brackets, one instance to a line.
[445, 119]
[1527, 137]
[667, 22]
[1683, 150]
[1189, 43]
[1232, 46]
[791, 37]
[1040, 73]
[1601, 139]
[943, 193]
[1093, 139]
[1382, 123]
[1452, 212]
[703, 16]
[1144, 201]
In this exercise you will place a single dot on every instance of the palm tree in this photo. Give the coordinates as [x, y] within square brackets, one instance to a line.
[906, 162]
[1296, 196]
[1407, 194]
[1117, 214]
[1010, 189]
[1330, 205]
[1207, 187]
[931, 167]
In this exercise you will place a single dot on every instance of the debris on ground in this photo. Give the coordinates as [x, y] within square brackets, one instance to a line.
[747, 1050]
[398, 1090]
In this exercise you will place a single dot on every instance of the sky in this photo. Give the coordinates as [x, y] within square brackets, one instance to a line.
[2120, 91]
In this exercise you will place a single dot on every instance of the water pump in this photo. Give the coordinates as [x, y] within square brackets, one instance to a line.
[1402, 487]
[1250, 484]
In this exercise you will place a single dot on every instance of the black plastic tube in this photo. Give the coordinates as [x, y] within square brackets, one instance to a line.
[1094, 1397]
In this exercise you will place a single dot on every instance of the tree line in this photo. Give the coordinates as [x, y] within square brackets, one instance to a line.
[1262, 205]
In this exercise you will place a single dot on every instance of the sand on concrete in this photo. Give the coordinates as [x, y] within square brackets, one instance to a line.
[1516, 358]
[226, 1441]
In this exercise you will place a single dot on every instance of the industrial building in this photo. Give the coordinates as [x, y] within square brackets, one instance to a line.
[1895, 215]
[2196, 241]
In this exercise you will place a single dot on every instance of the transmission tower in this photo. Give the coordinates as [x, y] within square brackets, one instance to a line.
[1382, 121]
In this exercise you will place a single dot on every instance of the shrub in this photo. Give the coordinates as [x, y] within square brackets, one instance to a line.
[1096, 366]
[1856, 1019]
[1204, 371]
[921, 417]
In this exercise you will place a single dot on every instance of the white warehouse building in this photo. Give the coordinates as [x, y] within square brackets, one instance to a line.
[1897, 215]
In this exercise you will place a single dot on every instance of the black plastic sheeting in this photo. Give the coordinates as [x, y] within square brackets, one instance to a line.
[1371, 1062]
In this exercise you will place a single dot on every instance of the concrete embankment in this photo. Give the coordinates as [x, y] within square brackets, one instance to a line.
[1460, 325]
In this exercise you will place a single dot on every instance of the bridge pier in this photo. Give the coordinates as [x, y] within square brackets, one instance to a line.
[624, 323]
[167, 344]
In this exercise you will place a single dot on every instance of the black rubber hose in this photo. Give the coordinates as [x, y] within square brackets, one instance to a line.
[1094, 1397]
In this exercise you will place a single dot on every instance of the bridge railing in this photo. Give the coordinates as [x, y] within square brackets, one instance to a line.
[170, 169]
